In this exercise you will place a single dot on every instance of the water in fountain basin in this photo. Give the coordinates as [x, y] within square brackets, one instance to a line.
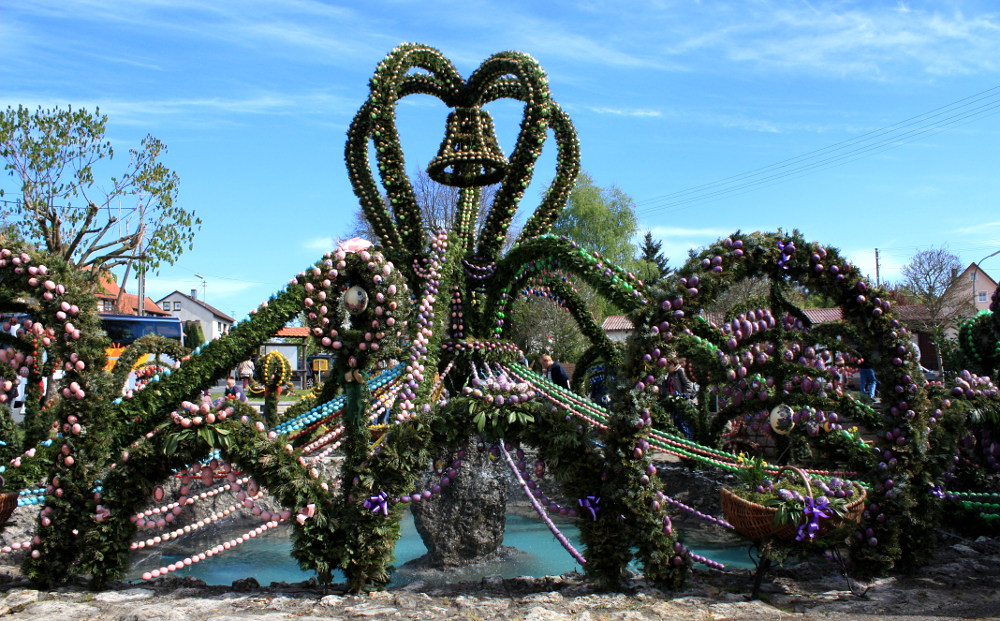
[267, 558]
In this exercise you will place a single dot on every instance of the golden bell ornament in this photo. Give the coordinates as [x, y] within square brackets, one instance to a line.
[470, 155]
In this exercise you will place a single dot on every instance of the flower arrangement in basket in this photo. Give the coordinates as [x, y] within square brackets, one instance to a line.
[791, 507]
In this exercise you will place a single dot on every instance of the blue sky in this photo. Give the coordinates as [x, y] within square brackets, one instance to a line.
[253, 99]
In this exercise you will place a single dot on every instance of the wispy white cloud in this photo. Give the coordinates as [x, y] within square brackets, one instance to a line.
[267, 103]
[637, 112]
[320, 244]
[979, 227]
[874, 41]
[743, 122]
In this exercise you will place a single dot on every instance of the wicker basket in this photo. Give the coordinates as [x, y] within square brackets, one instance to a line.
[8, 502]
[756, 521]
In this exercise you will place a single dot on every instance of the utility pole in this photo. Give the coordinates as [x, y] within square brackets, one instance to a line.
[141, 306]
[877, 281]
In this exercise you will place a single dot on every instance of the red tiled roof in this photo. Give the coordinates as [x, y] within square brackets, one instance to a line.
[129, 303]
[293, 332]
[616, 322]
[823, 315]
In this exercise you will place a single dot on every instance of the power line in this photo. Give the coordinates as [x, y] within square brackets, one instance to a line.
[960, 112]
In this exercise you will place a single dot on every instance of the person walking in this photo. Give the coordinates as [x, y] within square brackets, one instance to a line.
[553, 371]
[677, 384]
[245, 371]
[866, 377]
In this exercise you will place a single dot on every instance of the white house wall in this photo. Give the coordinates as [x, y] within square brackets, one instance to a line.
[192, 311]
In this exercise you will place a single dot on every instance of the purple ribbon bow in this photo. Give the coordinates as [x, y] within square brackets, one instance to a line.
[591, 503]
[813, 511]
[786, 251]
[378, 503]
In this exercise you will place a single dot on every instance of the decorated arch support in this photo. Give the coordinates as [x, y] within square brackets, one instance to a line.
[561, 290]
[551, 253]
[899, 531]
[100, 425]
[237, 440]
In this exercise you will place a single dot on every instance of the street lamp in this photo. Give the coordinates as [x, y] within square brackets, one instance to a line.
[972, 277]
[204, 288]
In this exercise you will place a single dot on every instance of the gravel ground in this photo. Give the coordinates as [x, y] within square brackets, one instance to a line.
[962, 583]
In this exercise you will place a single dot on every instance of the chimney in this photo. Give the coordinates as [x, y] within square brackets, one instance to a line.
[194, 294]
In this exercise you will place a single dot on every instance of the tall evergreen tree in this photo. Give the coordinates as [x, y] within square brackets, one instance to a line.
[653, 265]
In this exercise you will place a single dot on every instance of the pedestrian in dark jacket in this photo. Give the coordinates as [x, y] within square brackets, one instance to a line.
[677, 382]
[554, 372]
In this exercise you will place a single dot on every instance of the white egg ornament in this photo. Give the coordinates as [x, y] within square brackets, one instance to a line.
[356, 300]
[782, 420]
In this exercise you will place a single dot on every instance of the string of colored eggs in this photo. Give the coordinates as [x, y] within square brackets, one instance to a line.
[323, 440]
[546, 503]
[210, 552]
[190, 528]
[704, 516]
[174, 508]
[541, 511]
[669, 443]
[31, 497]
[425, 327]
[444, 481]
[335, 404]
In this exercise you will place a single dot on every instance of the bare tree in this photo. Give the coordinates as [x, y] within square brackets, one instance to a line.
[437, 207]
[930, 278]
[741, 291]
[62, 204]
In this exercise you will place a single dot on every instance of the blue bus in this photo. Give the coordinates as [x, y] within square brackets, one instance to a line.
[123, 330]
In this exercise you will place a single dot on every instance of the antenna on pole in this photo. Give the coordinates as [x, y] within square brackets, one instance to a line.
[204, 288]
[877, 281]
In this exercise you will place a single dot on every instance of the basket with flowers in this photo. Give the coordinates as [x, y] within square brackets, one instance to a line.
[793, 506]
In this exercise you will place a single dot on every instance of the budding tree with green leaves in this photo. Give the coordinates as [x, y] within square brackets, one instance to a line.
[600, 219]
[603, 220]
[61, 193]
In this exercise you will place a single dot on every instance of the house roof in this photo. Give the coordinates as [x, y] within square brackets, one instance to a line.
[616, 322]
[974, 267]
[129, 302]
[910, 312]
[823, 315]
[216, 312]
[298, 332]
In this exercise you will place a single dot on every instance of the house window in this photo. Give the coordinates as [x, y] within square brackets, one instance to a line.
[177, 306]
[981, 296]
[107, 306]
